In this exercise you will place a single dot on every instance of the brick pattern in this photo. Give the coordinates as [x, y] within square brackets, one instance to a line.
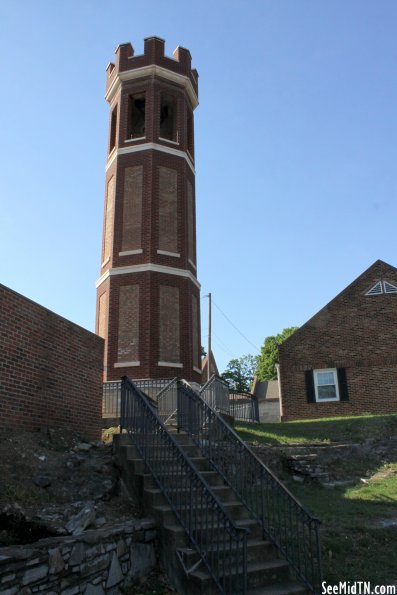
[166, 220]
[109, 214]
[128, 335]
[168, 210]
[153, 54]
[169, 324]
[196, 349]
[132, 209]
[50, 369]
[355, 332]
[191, 252]
[149, 350]
[102, 309]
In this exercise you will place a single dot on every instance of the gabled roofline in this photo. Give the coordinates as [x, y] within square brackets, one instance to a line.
[345, 290]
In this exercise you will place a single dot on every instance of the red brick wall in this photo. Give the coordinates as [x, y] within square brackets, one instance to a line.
[50, 369]
[149, 326]
[355, 332]
[163, 220]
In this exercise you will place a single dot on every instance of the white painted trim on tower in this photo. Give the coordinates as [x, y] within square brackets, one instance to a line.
[165, 253]
[127, 364]
[131, 140]
[192, 263]
[169, 365]
[153, 70]
[142, 268]
[197, 370]
[131, 252]
[167, 140]
[148, 147]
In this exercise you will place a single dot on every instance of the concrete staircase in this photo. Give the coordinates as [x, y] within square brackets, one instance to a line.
[266, 572]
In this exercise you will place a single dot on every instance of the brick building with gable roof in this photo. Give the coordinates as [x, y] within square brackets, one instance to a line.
[343, 361]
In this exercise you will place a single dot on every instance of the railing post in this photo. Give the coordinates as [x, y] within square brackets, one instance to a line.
[123, 403]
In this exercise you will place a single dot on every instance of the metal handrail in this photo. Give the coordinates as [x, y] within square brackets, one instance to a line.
[167, 401]
[293, 530]
[215, 392]
[218, 541]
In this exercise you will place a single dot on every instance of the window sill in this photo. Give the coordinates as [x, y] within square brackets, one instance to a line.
[132, 140]
[131, 252]
[166, 253]
[167, 140]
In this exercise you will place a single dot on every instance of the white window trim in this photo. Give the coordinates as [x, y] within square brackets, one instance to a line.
[170, 364]
[127, 364]
[167, 140]
[166, 253]
[335, 373]
[132, 140]
[131, 252]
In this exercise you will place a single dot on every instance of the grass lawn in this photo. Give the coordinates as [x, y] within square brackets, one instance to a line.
[355, 546]
[356, 543]
[315, 431]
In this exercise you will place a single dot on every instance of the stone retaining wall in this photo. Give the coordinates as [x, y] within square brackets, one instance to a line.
[94, 563]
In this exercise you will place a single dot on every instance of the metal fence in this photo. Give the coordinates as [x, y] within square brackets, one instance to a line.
[284, 521]
[112, 394]
[243, 406]
[111, 399]
[220, 545]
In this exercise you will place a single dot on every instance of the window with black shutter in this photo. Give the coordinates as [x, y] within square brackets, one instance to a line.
[342, 381]
[310, 393]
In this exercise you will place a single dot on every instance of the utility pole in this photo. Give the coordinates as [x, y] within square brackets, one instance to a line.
[209, 337]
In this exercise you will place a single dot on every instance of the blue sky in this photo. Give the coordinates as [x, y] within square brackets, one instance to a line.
[296, 150]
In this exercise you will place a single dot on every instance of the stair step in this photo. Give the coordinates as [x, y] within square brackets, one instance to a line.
[211, 477]
[234, 508]
[259, 574]
[212, 532]
[155, 495]
[267, 574]
[288, 588]
[257, 550]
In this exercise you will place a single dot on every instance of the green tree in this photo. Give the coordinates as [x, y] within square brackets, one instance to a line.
[268, 358]
[240, 372]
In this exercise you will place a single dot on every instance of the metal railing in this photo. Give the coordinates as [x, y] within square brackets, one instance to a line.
[112, 394]
[215, 392]
[167, 400]
[284, 521]
[219, 543]
[243, 406]
[111, 398]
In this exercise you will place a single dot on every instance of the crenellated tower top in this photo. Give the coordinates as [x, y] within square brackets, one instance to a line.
[153, 61]
[148, 307]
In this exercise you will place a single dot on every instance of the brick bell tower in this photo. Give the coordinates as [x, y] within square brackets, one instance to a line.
[148, 296]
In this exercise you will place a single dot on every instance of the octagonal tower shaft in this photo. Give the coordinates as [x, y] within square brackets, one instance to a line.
[148, 296]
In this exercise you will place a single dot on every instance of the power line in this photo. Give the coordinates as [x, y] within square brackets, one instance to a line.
[234, 326]
[223, 345]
